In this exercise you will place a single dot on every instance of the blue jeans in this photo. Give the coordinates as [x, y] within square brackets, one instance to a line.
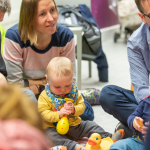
[128, 144]
[30, 94]
[118, 102]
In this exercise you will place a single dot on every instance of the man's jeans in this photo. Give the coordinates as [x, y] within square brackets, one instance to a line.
[118, 102]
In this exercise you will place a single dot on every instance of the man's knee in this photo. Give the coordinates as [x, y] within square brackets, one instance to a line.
[105, 96]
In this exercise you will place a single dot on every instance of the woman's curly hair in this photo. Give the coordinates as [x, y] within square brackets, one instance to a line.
[5, 6]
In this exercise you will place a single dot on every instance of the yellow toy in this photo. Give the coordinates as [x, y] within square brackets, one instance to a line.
[63, 124]
[96, 143]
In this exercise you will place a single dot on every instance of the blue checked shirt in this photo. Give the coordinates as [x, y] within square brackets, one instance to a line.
[138, 48]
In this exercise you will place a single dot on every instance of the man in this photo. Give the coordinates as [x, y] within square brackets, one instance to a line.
[4, 7]
[120, 102]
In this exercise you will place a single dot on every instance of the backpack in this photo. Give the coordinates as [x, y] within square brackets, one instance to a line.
[70, 15]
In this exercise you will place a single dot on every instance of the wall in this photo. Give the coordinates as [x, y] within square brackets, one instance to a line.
[103, 15]
[13, 18]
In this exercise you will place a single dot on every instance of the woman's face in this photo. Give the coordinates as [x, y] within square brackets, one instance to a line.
[46, 17]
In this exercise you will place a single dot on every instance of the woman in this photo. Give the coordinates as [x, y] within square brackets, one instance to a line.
[31, 44]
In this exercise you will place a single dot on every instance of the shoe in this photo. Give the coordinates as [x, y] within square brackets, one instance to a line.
[127, 130]
[91, 95]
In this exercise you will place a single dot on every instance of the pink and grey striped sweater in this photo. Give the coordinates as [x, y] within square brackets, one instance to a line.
[25, 61]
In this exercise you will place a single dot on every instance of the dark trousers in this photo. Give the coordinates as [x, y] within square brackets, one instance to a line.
[118, 102]
[88, 112]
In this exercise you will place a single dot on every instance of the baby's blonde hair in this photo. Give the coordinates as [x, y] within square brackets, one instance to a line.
[60, 66]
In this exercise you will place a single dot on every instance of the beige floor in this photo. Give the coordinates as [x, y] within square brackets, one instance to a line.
[116, 54]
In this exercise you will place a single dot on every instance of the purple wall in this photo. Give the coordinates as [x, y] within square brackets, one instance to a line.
[103, 15]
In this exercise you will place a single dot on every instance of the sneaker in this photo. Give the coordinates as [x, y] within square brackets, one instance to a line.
[127, 130]
[91, 95]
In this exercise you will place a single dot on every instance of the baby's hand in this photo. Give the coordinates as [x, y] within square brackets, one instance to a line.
[70, 106]
[64, 112]
[138, 123]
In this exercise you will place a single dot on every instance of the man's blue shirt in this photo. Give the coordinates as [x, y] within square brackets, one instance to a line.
[138, 48]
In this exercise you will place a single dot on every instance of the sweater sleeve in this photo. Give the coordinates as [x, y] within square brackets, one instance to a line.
[45, 108]
[137, 113]
[13, 58]
[79, 107]
[138, 69]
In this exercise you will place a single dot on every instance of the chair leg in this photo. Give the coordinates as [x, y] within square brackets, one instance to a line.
[90, 69]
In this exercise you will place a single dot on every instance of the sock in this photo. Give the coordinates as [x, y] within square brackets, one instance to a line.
[79, 147]
[118, 135]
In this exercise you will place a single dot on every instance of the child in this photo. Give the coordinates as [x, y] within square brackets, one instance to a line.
[137, 121]
[52, 106]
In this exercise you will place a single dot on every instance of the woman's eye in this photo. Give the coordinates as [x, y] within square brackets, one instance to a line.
[52, 10]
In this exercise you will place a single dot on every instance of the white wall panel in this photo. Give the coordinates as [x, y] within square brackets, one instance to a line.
[13, 18]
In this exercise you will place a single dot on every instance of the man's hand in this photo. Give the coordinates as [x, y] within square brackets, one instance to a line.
[64, 112]
[70, 107]
[138, 123]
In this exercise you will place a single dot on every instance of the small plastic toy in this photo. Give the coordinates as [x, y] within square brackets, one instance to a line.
[140, 123]
[96, 143]
[63, 124]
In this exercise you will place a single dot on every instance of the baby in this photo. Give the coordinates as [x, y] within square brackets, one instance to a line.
[53, 107]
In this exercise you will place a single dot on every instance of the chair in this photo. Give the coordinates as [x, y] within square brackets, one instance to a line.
[132, 87]
[78, 32]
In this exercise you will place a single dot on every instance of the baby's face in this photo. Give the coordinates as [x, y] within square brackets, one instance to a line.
[60, 85]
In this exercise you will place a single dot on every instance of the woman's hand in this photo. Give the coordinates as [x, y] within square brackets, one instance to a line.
[41, 81]
[34, 89]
